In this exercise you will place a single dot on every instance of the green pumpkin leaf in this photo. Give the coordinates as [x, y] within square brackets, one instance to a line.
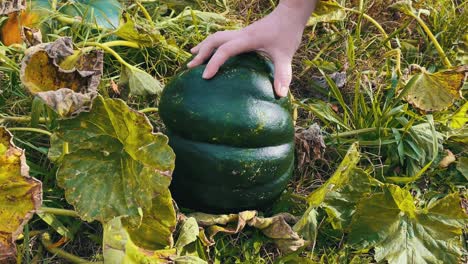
[327, 11]
[118, 247]
[157, 225]
[340, 202]
[111, 163]
[338, 196]
[20, 195]
[435, 91]
[460, 117]
[140, 82]
[103, 13]
[188, 233]
[189, 260]
[339, 178]
[400, 232]
[138, 31]
[66, 80]
[307, 226]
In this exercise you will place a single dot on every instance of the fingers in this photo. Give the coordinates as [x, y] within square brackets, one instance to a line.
[283, 75]
[205, 48]
[204, 53]
[222, 54]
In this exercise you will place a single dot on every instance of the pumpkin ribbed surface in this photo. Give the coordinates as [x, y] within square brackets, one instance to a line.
[233, 139]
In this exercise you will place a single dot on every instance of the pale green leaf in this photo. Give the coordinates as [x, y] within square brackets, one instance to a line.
[113, 163]
[20, 195]
[306, 227]
[118, 247]
[157, 225]
[339, 178]
[138, 31]
[189, 260]
[327, 11]
[56, 224]
[188, 233]
[400, 232]
[460, 117]
[140, 82]
[323, 111]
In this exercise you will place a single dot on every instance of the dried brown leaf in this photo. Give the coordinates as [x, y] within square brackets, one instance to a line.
[65, 79]
[10, 6]
[277, 227]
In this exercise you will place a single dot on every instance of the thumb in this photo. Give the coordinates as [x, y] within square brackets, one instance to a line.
[283, 75]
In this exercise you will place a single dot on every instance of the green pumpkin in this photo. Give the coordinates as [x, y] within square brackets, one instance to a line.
[233, 139]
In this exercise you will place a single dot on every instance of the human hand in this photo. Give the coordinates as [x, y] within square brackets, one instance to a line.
[278, 35]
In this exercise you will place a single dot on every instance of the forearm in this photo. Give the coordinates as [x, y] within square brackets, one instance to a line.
[298, 9]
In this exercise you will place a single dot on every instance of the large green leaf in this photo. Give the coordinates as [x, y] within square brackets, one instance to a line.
[400, 232]
[20, 195]
[338, 196]
[340, 202]
[104, 13]
[113, 164]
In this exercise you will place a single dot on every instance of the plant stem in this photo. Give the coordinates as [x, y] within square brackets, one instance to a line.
[20, 119]
[149, 109]
[298, 197]
[30, 129]
[357, 132]
[145, 12]
[58, 211]
[433, 39]
[373, 21]
[45, 239]
[111, 51]
[125, 43]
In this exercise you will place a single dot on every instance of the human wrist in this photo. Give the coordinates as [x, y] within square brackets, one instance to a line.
[299, 10]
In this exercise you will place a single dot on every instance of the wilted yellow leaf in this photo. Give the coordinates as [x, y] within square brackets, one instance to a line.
[20, 194]
[327, 11]
[435, 91]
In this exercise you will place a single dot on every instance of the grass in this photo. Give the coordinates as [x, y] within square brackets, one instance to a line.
[363, 107]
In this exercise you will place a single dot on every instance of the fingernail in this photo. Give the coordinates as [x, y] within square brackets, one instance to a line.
[284, 91]
[190, 64]
[205, 75]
